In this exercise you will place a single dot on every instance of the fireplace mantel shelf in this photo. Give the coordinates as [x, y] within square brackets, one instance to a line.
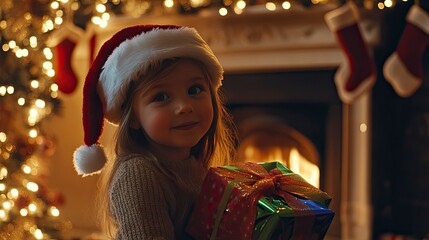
[259, 40]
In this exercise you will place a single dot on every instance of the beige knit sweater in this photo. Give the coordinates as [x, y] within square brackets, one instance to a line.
[149, 205]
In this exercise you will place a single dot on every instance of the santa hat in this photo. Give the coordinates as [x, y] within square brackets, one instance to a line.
[125, 55]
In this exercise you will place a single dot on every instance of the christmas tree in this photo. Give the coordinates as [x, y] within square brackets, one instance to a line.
[28, 96]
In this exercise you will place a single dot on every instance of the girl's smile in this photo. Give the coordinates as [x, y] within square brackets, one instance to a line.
[186, 125]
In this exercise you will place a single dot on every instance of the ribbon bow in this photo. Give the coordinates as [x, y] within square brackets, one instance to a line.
[253, 182]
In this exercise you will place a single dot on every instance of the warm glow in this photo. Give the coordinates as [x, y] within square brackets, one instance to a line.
[7, 205]
[241, 4]
[294, 161]
[3, 90]
[40, 103]
[47, 65]
[34, 84]
[49, 25]
[58, 20]
[270, 6]
[169, 3]
[21, 101]
[13, 193]
[38, 234]
[388, 3]
[3, 173]
[2, 215]
[363, 127]
[33, 41]
[3, 137]
[26, 169]
[32, 207]
[55, 5]
[10, 89]
[32, 133]
[100, 8]
[12, 44]
[303, 167]
[286, 5]
[48, 53]
[54, 87]
[223, 11]
[23, 212]
[32, 186]
[55, 212]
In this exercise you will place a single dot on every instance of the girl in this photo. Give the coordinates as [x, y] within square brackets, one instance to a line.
[160, 85]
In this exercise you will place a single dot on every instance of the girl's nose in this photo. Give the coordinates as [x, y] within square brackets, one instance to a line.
[184, 106]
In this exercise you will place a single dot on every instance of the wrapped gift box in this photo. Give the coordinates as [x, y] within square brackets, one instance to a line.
[259, 201]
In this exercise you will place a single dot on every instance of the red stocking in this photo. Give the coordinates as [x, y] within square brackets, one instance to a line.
[65, 78]
[357, 75]
[64, 41]
[403, 69]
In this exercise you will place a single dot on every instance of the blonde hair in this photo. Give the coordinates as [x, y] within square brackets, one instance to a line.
[217, 147]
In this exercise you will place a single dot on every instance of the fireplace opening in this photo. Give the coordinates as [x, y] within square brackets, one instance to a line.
[268, 139]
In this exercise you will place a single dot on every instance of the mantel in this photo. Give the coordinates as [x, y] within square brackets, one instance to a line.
[259, 40]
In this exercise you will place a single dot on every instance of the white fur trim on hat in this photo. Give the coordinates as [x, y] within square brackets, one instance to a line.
[342, 17]
[133, 56]
[419, 17]
[89, 160]
[395, 72]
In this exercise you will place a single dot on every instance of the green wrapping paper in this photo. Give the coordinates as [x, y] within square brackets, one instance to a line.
[275, 219]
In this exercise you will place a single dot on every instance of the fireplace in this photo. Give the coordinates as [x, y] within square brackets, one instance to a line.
[279, 69]
[293, 117]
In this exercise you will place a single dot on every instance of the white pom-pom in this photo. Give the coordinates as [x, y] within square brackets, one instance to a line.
[89, 160]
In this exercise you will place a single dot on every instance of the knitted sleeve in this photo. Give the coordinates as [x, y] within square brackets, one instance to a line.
[138, 203]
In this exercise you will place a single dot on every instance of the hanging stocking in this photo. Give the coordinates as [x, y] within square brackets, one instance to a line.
[64, 41]
[403, 69]
[357, 75]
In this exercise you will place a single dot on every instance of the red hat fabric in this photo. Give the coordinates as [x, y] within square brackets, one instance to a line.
[125, 55]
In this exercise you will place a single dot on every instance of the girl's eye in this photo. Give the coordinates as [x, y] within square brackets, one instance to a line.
[194, 90]
[160, 97]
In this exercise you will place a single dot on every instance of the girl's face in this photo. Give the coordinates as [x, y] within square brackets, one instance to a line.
[176, 111]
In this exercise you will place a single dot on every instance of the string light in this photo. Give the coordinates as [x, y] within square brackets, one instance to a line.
[23, 212]
[38, 234]
[54, 211]
[13, 193]
[223, 11]
[3, 173]
[3, 216]
[286, 5]
[26, 169]
[270, 6]
[32, 208]
[34, 84]
[32, 186]
[2, 90]
[21, 101]
[3, 137]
